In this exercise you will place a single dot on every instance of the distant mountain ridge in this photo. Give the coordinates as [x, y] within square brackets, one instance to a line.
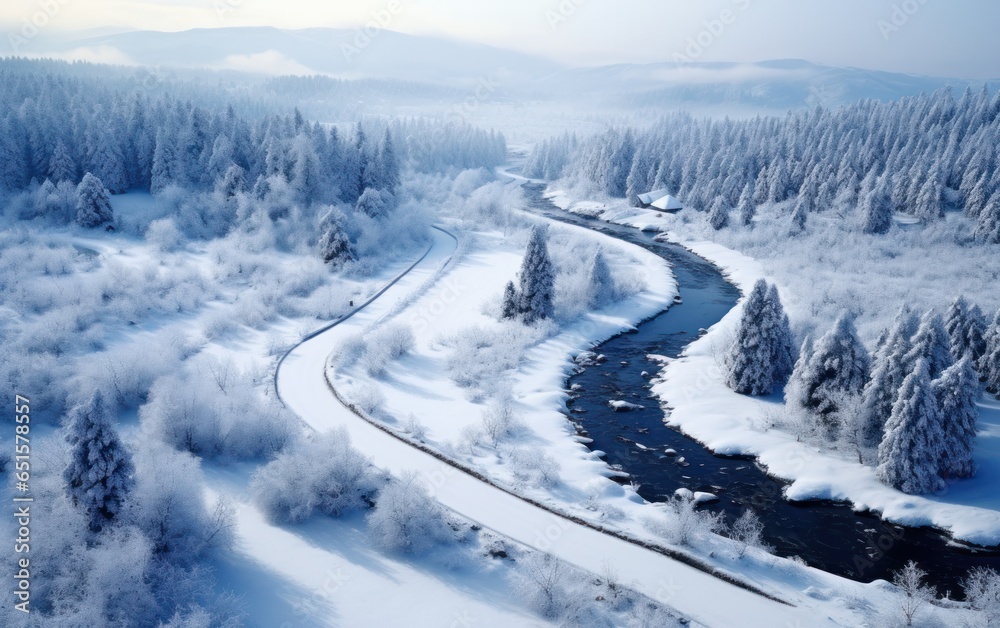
[350, 53]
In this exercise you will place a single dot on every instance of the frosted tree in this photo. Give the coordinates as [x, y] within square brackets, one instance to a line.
[966, 329]
[638, 177]
[510, 302]
[909, 454]
[93, 205]
[99, 474]
[376, 203]
[781, 339]
[932, 344]
[746, 207]
[718, 216]
[305, 175]
[989, 364]
[601, 284]
[957, 391]
[761, 356]
[537, 279]
[888, 374]
[988, 227]
[166, 169]
[388, 163]
[233, 182]
[799, 216]
[335, 245]
[929, 203]
[61, 165]
[836, 370]
[876, 209]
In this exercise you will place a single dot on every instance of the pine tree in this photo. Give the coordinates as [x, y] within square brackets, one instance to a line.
[956, 322]
[746, 207]
[989, 364]
[601, 284]
[166, 169]
[761, 357]
[389, 164]
[932, 344]
[335, 245]
[799, 216]
[975, 333]
[781, 338]
[233, 182]
[99, 474]
[930, 205]
[888, 374]
[909, 455]
[93, 205]
[508, 308]
[537, 279]
[305, 175]
[956, 392]
[837, 369]
[988, 227]
[718, 217]
[61, 165]
[876, 209]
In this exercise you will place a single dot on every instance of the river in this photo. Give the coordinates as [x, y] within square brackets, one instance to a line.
[829, 536]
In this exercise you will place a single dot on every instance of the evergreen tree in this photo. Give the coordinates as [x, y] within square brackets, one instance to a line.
[837, 369]
[376, 203]
[61, 166]
[305, 175]
[718, 217]
[957, 392]
[537, 279]
[335, 245]
[975, 333]
[781, 339]
[93, 205]
[799, 216]
[930, 204]
[389, 165]
[99, 474]
[966, 327]
[746, 207]
[888, 374]
[910, 453]
[166, 170]
[601, 284]
[932, 344]
[761, 357]
[988, 227]
[989, 364]
[508, 308]
[233, 182]
[876, 209]
[109, 162]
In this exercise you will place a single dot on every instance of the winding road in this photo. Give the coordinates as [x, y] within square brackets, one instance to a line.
[706, 599]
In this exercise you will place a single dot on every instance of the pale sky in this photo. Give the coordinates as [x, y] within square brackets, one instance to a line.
[954, 39]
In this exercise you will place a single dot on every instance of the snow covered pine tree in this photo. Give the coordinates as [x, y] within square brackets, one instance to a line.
[761, 358]
[537, 279]
[93, 205]
[99, 474]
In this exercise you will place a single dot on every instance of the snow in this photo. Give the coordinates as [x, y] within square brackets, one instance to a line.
[704, 408]
[624, 406]
[417, 384]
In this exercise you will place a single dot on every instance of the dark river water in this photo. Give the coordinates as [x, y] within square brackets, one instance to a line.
[829, 536]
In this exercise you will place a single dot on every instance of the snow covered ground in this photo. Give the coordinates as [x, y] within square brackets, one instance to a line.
[702, 406]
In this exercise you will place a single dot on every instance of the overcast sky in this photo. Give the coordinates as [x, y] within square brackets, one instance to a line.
[936, 37]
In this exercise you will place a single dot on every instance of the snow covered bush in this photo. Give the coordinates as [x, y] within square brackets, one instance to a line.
[684, 523]
[748, 533]
[324, 475]
[982, 591]
[385, 344]
[164, 234]
[543, 581]
[531, 466]
[501, 420]
[180, 525]
[482, 358]
[406, 519]
[191, 412]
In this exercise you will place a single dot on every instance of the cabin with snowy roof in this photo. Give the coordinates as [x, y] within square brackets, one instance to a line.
[660, 200]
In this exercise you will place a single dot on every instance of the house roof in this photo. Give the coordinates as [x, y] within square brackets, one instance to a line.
[667, 203]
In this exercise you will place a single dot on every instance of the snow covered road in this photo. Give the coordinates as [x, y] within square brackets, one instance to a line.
[704, 598]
